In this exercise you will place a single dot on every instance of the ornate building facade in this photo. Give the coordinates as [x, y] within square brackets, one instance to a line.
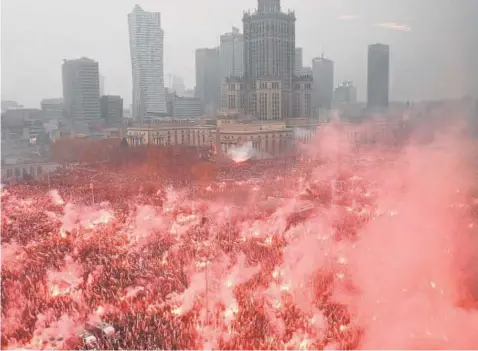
[269, 89]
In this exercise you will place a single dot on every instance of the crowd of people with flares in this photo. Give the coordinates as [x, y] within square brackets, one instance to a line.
[338, 250]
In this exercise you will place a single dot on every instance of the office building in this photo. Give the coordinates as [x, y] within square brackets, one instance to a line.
[9, 105]
[178, 86]
[146, 38]
[323, 86]
[186, 107]
[378, 76]
[102, 85]
[53, 109]
[81, 90]
[231, 53]
[345, 93]
[208, 78]
[112, 110]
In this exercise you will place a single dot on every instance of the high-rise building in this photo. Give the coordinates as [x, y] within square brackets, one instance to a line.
[323, 86]
[231, 53]
[298, 61]
[81, 89]
[53, 109]
[146, 38]
[302, 96]
[345, 93]
[208, 78]
[102, 85]
[112, 110]
[269, 61]
[305, 71]
[178, 86]
[378, 76]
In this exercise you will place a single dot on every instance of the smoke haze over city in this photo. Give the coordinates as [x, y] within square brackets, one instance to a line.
[435, 59]
[239, 174]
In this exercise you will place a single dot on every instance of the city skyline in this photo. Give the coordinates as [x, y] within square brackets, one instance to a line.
[343, 30]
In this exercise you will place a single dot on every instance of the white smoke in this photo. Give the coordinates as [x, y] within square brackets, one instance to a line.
[301, 133]
[243, 153]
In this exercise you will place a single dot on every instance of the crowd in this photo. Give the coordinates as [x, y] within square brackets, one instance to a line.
[108, 260]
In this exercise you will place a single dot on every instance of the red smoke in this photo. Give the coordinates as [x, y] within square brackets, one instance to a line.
[371, 249]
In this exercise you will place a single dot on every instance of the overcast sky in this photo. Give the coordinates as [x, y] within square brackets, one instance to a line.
[433, 42]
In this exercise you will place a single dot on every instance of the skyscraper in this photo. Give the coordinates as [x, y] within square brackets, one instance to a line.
[378, 76]
[323, 85]
[81, 89]
[208, 78]
[345, 93]
[102, 85]
[269, 61]
[298, 61]
[178, 86]
[146, 39]
[112, 110]
[231, 53]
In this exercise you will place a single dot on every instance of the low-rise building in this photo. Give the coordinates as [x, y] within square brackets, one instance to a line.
[229, 131]
[304, 129]
[22, 125]
[33, 170]
[171, 133]
[267, 138]
[53, 109]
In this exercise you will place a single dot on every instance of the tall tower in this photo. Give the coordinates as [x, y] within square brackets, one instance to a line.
[81, 89]
[378, 76]
[323, 86]
[298, 60]
[231, 52]
[208, 78]
[146, 39]
[269, 60]
[102, 85]
[178, 85]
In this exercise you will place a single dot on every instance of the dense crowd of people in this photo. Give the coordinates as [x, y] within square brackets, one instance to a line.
[111, 260]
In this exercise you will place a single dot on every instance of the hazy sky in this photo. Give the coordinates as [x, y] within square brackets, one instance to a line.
[433, 42]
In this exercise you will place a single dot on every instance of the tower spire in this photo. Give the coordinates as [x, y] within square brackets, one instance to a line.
[269, 6]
